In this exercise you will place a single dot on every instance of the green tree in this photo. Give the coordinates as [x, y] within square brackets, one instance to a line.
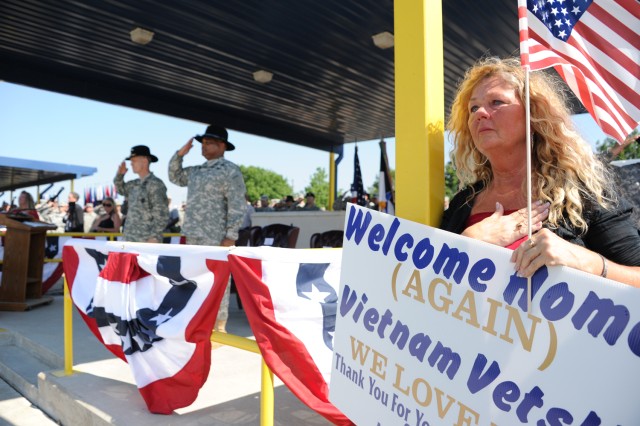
[630, 152]
[262, 181]
[450, 180]
[319, 185]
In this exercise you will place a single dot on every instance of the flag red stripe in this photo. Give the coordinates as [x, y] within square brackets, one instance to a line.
[621, 62]
[632, 37]
[586, 97]
[194, 331]
[163, 396]
[631, 7]
[583, 92]
[615, 54]
[126, 270]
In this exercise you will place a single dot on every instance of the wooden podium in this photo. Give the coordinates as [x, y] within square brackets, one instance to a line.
[24, 244]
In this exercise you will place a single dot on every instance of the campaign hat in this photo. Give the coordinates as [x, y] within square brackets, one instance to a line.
[142, 151]
[216, 132]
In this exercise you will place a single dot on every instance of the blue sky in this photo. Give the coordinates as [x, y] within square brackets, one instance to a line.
[47, 126]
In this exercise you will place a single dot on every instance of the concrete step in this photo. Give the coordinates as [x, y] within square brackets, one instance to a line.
[21, 362]
[16, 410]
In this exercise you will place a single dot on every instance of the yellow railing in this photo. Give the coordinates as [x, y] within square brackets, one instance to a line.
[266, 388]
[111, 236]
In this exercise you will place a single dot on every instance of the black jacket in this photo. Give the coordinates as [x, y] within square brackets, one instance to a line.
[610, 232]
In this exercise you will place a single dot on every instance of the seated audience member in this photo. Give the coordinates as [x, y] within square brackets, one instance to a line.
[52, 212]
[310, 203]
[109, 221]
[89, 216]
[26, 205]
[577, 220]
[174, 219]
[289, 204]
[74, 218]
[264, 205]
[246, 220]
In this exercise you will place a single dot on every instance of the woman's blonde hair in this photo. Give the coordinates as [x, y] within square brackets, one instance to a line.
[565, 172]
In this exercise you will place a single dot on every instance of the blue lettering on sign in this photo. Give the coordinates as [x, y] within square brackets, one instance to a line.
[602, 315]
[449, 261]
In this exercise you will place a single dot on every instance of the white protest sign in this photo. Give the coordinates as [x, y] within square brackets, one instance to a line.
[432, 329]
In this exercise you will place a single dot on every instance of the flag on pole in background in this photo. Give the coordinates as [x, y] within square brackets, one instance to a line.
[153, 306]
[291, 300]
[595, 47]
[99, 193]
[385, 183]
[357, 187]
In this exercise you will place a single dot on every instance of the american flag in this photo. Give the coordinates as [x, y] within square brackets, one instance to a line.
[385, 184]
[357, 187]
[595, 47]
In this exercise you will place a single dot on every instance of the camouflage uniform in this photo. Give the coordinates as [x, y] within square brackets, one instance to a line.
[148, 210]
[215, 204]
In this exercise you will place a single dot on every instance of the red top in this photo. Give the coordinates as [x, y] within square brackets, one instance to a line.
[475, 218]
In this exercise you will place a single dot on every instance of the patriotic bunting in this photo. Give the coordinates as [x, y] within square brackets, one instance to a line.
[153, 306]
[291, 299]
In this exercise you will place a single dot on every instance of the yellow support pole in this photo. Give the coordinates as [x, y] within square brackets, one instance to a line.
[332, 180]
[266, 395]
[267, 402]
[68, 331]
[419, 94]
[235, 341]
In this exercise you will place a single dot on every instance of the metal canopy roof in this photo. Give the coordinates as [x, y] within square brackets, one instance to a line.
[331, 85]
[18, 173]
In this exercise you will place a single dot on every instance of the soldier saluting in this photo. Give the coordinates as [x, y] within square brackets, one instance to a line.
[215, 197]
[146, 196]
